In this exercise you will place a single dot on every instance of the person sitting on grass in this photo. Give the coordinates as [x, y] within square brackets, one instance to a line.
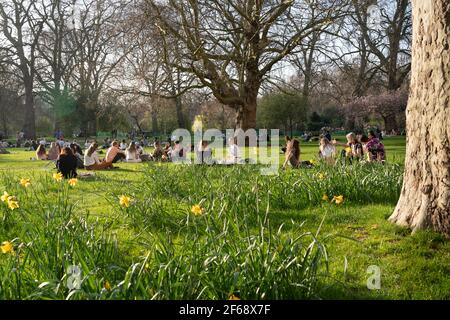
[167, 152]
[327, 150]
[204, 153]
[78, 153]
[123, 145]
[41, 154]
[375, 149]
[91, 160]
[114, 154]
[292, 153]
[158, 152]
[353, 148]
[132, 154]
[178, 153]
[67, 163]
[53, 152]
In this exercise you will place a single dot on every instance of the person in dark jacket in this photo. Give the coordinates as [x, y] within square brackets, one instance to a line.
[67, 163]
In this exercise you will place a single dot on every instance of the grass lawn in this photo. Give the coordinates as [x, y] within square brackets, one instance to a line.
[257, 237]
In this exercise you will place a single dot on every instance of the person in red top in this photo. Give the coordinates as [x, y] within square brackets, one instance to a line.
[114, 153]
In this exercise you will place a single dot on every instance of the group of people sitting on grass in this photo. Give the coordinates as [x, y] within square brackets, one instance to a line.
[357, 148]
[69, 157]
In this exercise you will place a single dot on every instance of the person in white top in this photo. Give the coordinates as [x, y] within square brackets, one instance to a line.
[234, 153]
[91, 160]
[123, 145]
[132, 154]
[327, 150]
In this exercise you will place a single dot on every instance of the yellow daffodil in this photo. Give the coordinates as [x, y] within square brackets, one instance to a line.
[73, 182]
[58, 177]
[197, 210]
[321, 176]
[25, 182]
[233, 297]
[107, 286]
[325, 197]
[7, 247]
[12, 203]
[5, 196]
[313, 161]
[338, 199]
[124, 201]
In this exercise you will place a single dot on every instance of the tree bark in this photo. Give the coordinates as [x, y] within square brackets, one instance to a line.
[29, 125]
[425, 197]
[246, 116]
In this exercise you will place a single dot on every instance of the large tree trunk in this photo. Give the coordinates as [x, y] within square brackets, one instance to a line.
[425, 197]
[246, 116]
[180, 115]
[29, 125]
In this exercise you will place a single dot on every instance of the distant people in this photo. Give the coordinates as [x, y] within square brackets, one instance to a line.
[87, 143]
[53, 152]
[123, 145]
[91, 160]
[67, 163]
[379, 134]
[114, 154]
[78, 153]
[204, 153]
[327, 150]
[167, 152]
[34, 145]
[43, 141]
[132, 154]
[292, 154]
[106, 144]
[41, 153]
[234, 152]
[375, 149]
[114, 133]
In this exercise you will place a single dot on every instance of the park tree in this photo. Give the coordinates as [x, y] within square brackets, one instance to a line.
[232, 46]
[22, 29]
[285, 110]
[425, 196]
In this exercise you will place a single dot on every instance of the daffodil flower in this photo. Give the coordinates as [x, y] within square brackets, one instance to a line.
[338, 199]
[58, 177]
[5, 196]
[7, 247]
[25, 182]
[197, 210]
[124, 201]
[73, 182]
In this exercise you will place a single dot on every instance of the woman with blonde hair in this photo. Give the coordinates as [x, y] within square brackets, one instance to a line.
[132, 154]
[91, 160]
[353, 147]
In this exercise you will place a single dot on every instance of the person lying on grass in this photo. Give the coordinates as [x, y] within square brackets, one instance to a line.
[67, 163]
[91, 160]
